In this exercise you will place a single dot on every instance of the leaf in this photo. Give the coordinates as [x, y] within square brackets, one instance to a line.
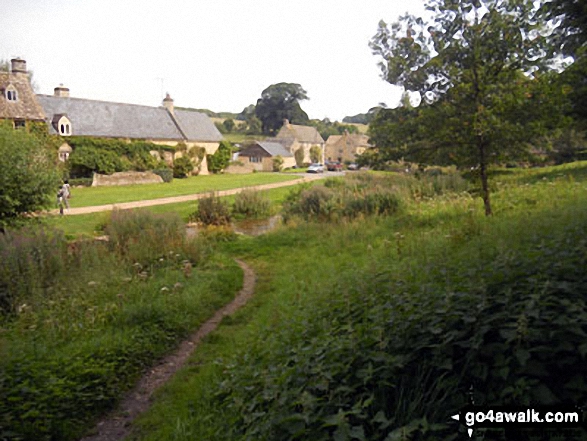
[523, 356]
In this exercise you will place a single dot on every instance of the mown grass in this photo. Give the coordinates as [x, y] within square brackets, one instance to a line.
[90, 196]
[378, 328]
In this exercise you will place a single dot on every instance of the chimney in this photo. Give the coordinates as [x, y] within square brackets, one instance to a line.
[18, 65]
[61, 91]
[168, 103]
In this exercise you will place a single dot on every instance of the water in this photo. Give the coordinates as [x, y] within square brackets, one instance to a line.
[250, 227]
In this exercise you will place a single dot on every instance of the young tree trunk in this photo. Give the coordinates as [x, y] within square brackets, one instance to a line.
[484, 181]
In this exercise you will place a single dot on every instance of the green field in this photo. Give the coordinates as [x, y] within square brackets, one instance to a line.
[90, 196]
[362, 326]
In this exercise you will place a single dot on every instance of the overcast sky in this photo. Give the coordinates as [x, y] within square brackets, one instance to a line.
[215, 54]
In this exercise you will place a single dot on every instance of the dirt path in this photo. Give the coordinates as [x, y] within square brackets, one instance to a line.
[117, 425]
[185, 198]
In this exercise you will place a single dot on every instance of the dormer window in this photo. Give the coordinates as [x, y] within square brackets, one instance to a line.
[62, 125]
[11, 94]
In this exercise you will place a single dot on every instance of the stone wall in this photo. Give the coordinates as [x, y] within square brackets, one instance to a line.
[126, 178]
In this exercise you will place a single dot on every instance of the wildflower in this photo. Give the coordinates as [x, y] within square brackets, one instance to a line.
[164, 289]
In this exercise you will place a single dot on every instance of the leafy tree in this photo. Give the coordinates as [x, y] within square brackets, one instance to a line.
[279, 102]
[315, 154]
[228, 125]
[277, 163]
[254, 126]
[570, 18]
[474, 64]
[299, 156]
[29, 178]
[220, 160]
[327, 128]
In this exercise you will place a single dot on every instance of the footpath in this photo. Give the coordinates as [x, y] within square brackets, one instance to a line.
[185, 198]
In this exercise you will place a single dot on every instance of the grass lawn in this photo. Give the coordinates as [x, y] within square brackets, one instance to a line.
[90, 196]
[91, 224]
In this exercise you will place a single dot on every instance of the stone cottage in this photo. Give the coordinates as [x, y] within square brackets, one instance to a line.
[346, 147]
[165, 125]
[259, 156]
[18, 103]
[294, 137]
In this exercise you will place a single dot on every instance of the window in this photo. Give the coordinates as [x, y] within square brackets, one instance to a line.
[256, 159]
[19, 124]
[64, 126]
[11, 94]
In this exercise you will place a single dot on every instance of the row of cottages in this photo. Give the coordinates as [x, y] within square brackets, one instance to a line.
[68, 116]
[290, 138]
[342, 148]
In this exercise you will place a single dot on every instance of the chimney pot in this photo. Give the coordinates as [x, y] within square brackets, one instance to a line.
[168, 103]
[18, 65]
[61, 91]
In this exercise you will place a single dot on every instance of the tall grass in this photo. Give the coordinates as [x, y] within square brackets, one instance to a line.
[384, 338]
[83, 320]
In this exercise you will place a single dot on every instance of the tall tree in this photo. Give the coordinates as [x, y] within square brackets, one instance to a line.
[570, 20]
[279, 102]
[472, 63]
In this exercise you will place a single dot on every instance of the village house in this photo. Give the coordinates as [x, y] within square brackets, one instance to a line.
[294, 137]
[259, 156]
[68, 116]
[346, 147]
[18, 103]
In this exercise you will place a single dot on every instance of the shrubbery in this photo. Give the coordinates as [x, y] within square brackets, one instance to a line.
[212, 210]
[251, 204]
[182, 167]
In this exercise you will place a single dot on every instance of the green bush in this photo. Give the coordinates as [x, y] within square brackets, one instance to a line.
[29, 178]
[182, 167]
[251, 204]
[220, 160]
[212, 210]
[165, 173]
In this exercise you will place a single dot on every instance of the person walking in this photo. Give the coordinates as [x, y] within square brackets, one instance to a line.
[66, 189]
[60, 199]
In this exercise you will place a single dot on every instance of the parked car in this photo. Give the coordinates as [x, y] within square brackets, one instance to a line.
[333, 166]
[353, 166]
[315, 168]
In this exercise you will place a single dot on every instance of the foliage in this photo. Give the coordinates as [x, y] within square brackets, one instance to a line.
[251, 204]
[182, 167]
[221, 158]
[278, 102]
[107, 156]
[229, 125]
[362, 118]
[139, 236]
[29, 178]
[277, 163]
[468, 64]
[86, 322]
[570, 19]
[327, 128]
[212, 210]
[568, 146]
[165, 173]
[299, 156]
[315, 154]
[389, 335]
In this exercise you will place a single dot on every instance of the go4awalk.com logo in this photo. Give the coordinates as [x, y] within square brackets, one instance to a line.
[513, 417]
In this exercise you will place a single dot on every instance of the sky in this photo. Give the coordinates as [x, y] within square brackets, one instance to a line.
[213, 54]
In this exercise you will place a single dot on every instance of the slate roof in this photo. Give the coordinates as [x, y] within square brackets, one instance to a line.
[197, 126]
[26, 106]
[118, 120]
[275, 149]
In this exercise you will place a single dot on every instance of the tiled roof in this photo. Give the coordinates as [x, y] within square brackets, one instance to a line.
[119, 120]
[274, 149]
[26, 106]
